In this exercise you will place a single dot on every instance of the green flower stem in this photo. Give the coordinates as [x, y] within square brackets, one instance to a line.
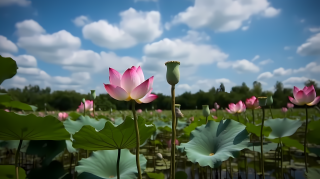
[207, 120]
[70, 164]
[254, 156]
[261, 136]
[281, 144]
[137, 139]
[253, 115]
[237, 117]
[84, 109]
[271, 112]
[118, 164]
[93, 108]
[17, 159]
[305, 141]
[88, 153]
[173, 140]
[217, 112]
[231, 174]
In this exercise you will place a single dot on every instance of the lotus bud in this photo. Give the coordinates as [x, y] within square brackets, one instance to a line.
[83, 100]
[262, 101]
[93, 94]
[205, 110]
[173, 73]
[178, 113]
[269, 100]
[177, 106]
[159, 155]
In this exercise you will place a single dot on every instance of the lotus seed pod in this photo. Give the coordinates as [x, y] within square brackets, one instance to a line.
[269, 100]
[83, 100]
[205, 110]
[93, 94]
[159, 155]
[177, 105]
[173, 73]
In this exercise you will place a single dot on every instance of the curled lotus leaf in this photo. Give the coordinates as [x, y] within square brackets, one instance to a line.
[112, 137]
[8, 68]
[103, 164]
[215, 142]
[282, 127]
[74, 126]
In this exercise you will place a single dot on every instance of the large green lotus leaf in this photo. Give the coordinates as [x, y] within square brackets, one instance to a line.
[221, 140]
[48, 149]
[165, 128]
[8, 68]
[156, 175]
[313, 173]
[74, 115]
[282, 127]
[256, 129]
[9, 172]
[112, 137]
[19, 105]
[31, 127]
[54, 170]
[69, 147]
[266, 147]
[13, 144]
[192, 126]
[289, 142]
[118, 121]
[74, 126]
[180, 125]
[4, 97]
[103, 164]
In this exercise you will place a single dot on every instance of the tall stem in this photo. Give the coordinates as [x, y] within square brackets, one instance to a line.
[254, 156]
[305, 141]
[282, 176]
[206, 119]
[237, 117]
[271, 112]
[261, 136]
[118, 164]
[137, 139]
[93, 108]
[84, 109]
[17, 158]
[173, 139]
[253, 116]
[70, 164]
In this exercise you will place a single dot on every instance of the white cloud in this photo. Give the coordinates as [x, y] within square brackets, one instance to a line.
[265, 75]
[286, 48]
[296, 80]
[29, 28]
[81, 21]
[244, 28]
[242, 66]
[314, 29]
[271, 12]
[6, 45]
[227, 15]
[22, 60]
[281, 72]
[135, 27]
[12, 2]
[312, 67]
[302, 20]
[311, 47]
[264, 62]
[194, 36]
[255, 58]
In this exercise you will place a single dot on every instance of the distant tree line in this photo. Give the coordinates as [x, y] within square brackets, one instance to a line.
[70, 100]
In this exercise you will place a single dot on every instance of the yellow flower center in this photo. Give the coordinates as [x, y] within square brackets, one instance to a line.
[211, 154]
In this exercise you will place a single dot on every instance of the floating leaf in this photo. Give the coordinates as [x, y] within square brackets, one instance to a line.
[103, 164]
[257, 129]
[9, 172]
[31, 127]
[266, 147]
[282, 127]
[112, 137]
[289, 142]
[192, 126]
[74, 126]
[215, 142]
[8, 68]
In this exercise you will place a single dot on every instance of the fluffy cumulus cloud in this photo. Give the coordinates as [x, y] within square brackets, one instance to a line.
[29, 28]
[81, 21]
[311, 67]
[14, 2]
[311, 47]
[298, 80]
[265, 75]
[240, 66]
[6, 45]
[281, 72]
[194, 36]
[128, 33]
[314, 29]
[227, 15]
[264, 62]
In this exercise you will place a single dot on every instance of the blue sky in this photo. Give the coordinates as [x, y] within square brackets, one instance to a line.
[71, 44]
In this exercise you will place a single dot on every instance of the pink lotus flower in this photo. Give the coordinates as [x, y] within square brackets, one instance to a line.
[305, 96]
[62, 116]
[7, 110]
[159, 110]
[213, 110]
[216, 106]
[41, 114]
[290, 105]
[139, 111]
[252, 103]
[91, 114]
[236, 108]
[88, 105]
[284, 110]
[214, 117]
[169, 143]
[130, 85]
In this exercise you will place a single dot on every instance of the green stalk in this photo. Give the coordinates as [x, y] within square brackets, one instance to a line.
[17, 159]
[237, 117]
[261, 136]
[217, 112]
[84, 109]
[118, 163]
[93, 109]
[253, 115]
[70, 165]
[137, 139]
[231, 173]
[207, 120]
[282, 175]
[173, 139]
[305, 141]
[271, 112]
[254, 156]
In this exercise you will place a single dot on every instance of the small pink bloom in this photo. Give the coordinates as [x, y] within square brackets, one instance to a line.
[62, 116]
[216, 106]
[41, 114]
[290, 105]
[88, 105]
[139, 111]
[214, 117]
[252, 103]
[306, 96]
[159, 110]
[130, 85]
[284, 110]
[169, 143]
[7, 110]
[213, 110]
[236, 108]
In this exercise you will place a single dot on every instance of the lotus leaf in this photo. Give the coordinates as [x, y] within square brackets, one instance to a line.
[181, 175]
[266, 147]
[289, 142]
[215, 142]
[31, 127]
[313, 173]
[156, 175]
[118, 121]
[282, 127]
[19, 105]
[74, 126]
[315, 151]
[103, 164]
[4, 97]
[192, 126]
[9, 172]
[256, 129]
[8, 68]
[112, 137]
[74, 115]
